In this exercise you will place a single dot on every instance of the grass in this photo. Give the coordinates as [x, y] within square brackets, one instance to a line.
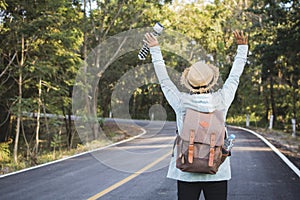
[113, 133]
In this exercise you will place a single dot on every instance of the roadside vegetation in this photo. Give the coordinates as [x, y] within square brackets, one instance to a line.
[56, 148]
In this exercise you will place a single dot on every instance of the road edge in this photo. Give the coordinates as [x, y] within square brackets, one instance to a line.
[281, 155]
[74, 156]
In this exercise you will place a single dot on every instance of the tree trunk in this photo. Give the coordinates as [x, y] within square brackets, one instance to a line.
[94, 113]
[272, 99]
[4, 124]
[70, 131]
[38, 117]
[295, 96]
[19, 114]
[267, 107]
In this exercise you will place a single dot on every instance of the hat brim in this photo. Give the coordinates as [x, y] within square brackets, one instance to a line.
[184, 81]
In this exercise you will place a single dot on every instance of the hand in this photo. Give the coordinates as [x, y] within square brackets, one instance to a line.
[241, 39]
[151, 40]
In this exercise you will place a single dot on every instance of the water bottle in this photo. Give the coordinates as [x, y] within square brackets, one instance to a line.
[228, 143]
[157, 29]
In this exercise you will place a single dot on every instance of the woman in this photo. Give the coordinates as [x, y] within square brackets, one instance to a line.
[199, 79]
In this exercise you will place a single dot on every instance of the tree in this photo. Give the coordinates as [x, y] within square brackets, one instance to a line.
[48, 38]
[107, 19]
[274, 38]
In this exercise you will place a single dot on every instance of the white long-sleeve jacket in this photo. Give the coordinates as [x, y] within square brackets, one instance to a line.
[207, 102]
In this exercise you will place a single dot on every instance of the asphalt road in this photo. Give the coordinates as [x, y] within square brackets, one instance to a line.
[136, 170]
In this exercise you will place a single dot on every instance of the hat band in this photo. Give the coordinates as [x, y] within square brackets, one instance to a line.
[199, 87]
[196, 87]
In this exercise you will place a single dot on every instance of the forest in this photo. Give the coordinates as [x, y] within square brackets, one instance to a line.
[59, 54]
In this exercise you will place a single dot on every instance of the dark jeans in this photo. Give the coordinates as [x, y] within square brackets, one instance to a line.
[212, 190]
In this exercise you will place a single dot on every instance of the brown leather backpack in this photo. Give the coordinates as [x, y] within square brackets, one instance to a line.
[199, 145]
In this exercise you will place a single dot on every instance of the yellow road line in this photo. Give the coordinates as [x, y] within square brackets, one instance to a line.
[132, 176]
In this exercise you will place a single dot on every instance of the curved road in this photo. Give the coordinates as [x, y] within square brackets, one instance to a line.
[136, 170]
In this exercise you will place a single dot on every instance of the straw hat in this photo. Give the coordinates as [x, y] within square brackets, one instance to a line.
[200, 77]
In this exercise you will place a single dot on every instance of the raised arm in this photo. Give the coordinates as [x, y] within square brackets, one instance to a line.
[231, 83]
[169, 89]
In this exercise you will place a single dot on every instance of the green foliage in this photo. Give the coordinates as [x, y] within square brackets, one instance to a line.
[240, 120]
[274, 49]
[2, 4]
[4, 151]
[56, 141]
